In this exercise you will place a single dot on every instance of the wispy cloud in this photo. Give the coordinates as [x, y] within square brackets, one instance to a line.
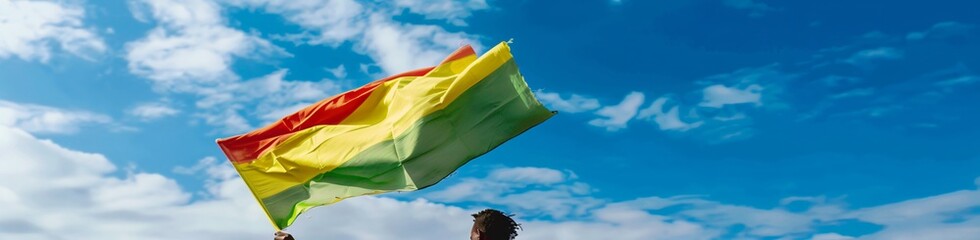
[946, 216]
[669, 120]
[191, 52]
[394, 46]
[573, 104]
[45, 119]
[962, 80]
[925, 218]
[727, 104]
[867, 57]
[551, 204]
[533, 175]
[755, 7]
[201, 165]
[858, 92]
[397, 46]
[338, 72]
[958, 75]
[270, 97]
[228, 119]
[837, 80]
[718, 95]
[616, 117]
[455, 12]
[29, 30]
[943, 30]
[719, 116]
[520, 188]
[889, 95]
[192, 49]
[149, 111]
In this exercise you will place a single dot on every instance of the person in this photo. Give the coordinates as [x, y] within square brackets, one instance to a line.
[280, 235]
[491, 224]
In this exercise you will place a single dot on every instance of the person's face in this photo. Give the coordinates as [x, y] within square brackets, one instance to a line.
[474, 234]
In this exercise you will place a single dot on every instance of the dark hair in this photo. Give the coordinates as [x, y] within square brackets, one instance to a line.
[495, 225]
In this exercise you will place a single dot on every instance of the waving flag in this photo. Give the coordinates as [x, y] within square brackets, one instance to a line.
[401, 133]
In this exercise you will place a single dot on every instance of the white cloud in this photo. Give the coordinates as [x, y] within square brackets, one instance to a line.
[191, 51]
[228, 118]
[626, 224]
[721, 115]
[724, 110]
[138, 191]
[666, 121]
[338, 72]
[958, 75]
[616, 117]
[30, 29]
[42, 158]
[961, 80]
[183, 13]
[866, 57]
[936, 209]
[529, 175]
[718, 95]
[66, 194]
[283, 92]
[153, 110]
[498, 182]
[394, 46]
[942, 30]
[520, 189]
[453, 11]
[45, 119]
[202, 165]
[945, 216]
[574, 104]
[830, 236]
[756, 8]
[695, 217]
[191, 47]
[152, 206]
[836, 80]
[334, 21]
[746, 85]
[858, 92]
[266, 98]
[398, 47]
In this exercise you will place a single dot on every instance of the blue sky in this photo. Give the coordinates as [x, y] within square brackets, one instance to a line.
[681, 119]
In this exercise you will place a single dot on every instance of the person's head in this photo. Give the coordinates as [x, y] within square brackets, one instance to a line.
[280, 235]
[491, 224]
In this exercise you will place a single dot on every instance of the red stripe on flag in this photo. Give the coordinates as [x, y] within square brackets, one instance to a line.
[247, 147]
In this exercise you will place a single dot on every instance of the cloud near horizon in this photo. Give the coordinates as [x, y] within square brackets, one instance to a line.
[552, 204]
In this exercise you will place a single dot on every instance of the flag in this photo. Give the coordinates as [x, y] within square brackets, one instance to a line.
[401, 133]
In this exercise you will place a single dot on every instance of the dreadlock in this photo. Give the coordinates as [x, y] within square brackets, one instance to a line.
[495, 225]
